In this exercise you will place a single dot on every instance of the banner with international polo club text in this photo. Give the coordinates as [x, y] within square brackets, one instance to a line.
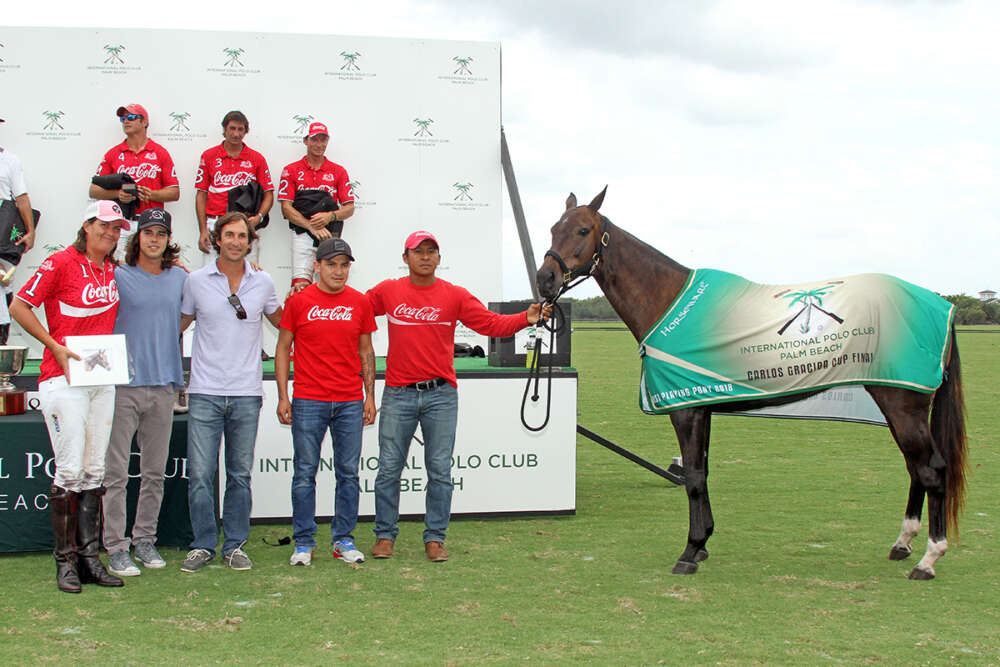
[416, 123]
[726, 339]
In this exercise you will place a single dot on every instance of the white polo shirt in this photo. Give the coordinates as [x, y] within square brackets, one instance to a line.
[225, 358]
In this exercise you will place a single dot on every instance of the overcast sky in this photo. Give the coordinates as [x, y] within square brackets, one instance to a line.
[781, 140]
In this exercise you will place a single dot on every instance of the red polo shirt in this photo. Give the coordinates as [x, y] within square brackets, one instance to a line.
[330, 177]
[151, 167]
[218, 173]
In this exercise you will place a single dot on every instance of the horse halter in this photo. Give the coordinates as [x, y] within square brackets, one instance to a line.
[584, 271]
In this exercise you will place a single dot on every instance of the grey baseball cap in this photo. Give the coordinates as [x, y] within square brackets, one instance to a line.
[331, 248]
[154, 216]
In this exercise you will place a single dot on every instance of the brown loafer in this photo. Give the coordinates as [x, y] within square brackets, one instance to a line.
[436, 553]
[382, 548]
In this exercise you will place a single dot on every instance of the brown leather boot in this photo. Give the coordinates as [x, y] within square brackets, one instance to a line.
[382, 548]
[436, 553]
[88, 535]
[63, 507]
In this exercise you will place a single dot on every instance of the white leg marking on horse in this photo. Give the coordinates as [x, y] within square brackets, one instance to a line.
[906, 534]
[934, 551]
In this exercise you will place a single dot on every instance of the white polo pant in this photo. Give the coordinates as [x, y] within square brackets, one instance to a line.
[79, 424]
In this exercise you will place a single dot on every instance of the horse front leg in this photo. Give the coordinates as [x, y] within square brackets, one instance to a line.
[693, 428]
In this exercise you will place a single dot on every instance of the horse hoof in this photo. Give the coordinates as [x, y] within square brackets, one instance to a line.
[684, 567]
[900, 553]
[920, 575]
[701, 555]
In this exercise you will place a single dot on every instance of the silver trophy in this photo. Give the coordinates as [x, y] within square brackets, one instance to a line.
[11, 363]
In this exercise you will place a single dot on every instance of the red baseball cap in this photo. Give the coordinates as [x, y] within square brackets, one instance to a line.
[107, 210]
[133, 108]
[415, 239]
[317, 128]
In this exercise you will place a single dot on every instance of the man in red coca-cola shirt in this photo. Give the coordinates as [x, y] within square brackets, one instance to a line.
[147, 162]
[330, 324]
[421, 386]
[222, 168]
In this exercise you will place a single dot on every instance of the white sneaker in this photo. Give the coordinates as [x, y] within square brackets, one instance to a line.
[302, 556]
[345, 549]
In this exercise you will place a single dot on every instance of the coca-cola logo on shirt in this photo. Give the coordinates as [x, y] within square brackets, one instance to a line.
[421, 313]
[338, 313]
[99, 293]
[140, 171]
[231, 180]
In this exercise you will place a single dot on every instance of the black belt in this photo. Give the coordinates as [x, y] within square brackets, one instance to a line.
[427, 384]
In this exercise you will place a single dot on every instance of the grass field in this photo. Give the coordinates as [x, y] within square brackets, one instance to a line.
[805, 514]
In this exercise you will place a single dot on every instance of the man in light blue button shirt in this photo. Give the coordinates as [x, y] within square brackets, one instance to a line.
[149, 314]
[229, 299]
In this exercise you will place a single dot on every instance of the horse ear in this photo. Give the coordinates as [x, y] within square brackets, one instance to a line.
[570, 201]
[595, 205]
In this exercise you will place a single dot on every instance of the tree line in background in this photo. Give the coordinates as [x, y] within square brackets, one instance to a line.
[968, 309]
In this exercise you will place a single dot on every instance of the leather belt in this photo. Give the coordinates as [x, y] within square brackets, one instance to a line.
[427, 384]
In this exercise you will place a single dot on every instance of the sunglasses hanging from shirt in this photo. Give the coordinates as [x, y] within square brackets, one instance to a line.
[234, 301]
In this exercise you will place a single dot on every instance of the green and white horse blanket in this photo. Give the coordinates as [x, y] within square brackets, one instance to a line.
[727, 339]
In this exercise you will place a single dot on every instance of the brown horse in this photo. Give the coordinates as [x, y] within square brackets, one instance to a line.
[641, 283]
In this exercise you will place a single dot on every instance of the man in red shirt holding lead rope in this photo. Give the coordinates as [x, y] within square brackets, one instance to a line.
[421, 387]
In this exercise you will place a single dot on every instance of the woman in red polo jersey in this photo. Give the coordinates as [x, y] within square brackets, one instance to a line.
[77, 288]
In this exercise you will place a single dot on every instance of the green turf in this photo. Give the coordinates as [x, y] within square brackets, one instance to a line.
[805, 514]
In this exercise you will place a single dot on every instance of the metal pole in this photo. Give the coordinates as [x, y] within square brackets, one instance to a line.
[515, 204]
[675, 474]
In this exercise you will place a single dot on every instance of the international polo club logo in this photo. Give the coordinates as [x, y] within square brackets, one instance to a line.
[302, 123]
[114, 52]
[179, 119]
[350, 61]
[462, 190]
[423, 127]
[52, 120]
[233, 57]
[810, 300]
[463, 65]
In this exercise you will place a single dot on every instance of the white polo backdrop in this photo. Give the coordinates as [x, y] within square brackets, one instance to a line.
[416, 123]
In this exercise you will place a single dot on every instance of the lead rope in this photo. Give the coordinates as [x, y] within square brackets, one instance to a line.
[535, 370]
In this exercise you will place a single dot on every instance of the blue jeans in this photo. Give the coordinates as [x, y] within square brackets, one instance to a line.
[310, 421]
[436, 410]
[209, 417]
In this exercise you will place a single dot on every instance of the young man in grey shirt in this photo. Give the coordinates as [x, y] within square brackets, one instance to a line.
[149, 314]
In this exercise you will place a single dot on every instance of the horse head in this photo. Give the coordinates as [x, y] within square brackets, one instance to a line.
[577, 240]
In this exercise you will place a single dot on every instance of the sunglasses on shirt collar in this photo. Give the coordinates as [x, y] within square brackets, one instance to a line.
[234, 301]
[130, 116]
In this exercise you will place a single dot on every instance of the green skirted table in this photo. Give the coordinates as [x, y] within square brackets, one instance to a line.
[26, 469]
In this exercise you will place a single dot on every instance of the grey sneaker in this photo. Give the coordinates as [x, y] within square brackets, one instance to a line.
[147, 554]
[196, 559]
[237, 559]
[122, 565]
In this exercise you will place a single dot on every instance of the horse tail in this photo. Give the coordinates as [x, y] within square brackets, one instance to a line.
[948, 430]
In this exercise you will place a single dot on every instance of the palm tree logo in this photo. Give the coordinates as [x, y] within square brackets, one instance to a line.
[179, 124]
[53, 120]
[810, 300]
[114, 54]
[303, 121]
[234, 57]
[353, 185]
[1, 47]
[350, 61]
[423, 127]
[463, 64]
[463, 191]
[54, 247]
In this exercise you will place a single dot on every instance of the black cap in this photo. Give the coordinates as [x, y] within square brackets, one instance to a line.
[331, 248]
[154, 216]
